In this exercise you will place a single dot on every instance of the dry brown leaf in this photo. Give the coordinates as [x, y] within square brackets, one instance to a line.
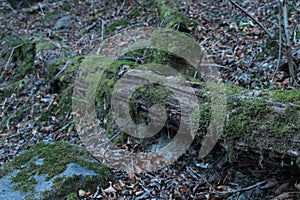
[110, 189]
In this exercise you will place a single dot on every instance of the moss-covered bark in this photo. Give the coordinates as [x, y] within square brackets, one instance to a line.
[262, 122]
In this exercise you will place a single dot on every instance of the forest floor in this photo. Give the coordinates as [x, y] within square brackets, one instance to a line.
[245, 54]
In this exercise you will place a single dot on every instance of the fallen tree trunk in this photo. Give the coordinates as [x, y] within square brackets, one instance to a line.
[264, 122]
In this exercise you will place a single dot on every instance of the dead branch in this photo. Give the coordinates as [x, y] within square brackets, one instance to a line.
[289, 54]
[254, 19]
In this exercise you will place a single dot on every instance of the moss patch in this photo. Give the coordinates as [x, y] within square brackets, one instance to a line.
[22, 52]
[148, 95]
[69, 185]
[73, 196]
[287, 96]
[44, 45]
[104, 93]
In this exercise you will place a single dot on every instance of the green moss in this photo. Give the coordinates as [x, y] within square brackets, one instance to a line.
[204, 119]
[55, 66]
[245, 115]
[14, 87]
[285, 123]
[67, 185]
[23, 53]
[63, 85]
[73, 196]
[105, 87]
[286, 96]
[252, 118]
[56, 157]
[164, 58]
[103, 95]
[6, 91]
[233, 89]
[45, 45]
[150, 94]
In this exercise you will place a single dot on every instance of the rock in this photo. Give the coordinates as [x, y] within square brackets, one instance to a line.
[63, 22]
[51, 171]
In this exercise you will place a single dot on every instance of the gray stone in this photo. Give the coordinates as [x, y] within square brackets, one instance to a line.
[64, 22]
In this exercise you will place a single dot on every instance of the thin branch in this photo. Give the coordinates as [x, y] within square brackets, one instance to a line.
[286, 23]
[254, 19]
[239, 190]
[121, 8]
[288, 42]
[11, 55]
[279, 44]
[103, 23]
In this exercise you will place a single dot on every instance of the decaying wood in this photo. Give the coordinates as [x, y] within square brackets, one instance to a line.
[270, 134]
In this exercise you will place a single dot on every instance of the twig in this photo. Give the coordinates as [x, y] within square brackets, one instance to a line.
[239, 190]
[41, 8]
[9, 6]
[286, 23]
[191, 170]
[251, 187]
[121, 8]
[63, 69]
[214, 65]
[254, 19]
[11, 55]
[103, 22]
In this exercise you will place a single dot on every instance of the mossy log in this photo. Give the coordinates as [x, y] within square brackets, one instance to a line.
[264, 125]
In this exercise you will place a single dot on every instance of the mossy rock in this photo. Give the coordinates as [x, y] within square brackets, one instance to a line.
[52, 171]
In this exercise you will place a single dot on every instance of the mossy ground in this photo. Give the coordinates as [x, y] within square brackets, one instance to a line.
[22, 51]
[55, 157]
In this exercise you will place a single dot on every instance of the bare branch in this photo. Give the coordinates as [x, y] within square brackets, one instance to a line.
[254, 19]
[279, 45]
[288, 42]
